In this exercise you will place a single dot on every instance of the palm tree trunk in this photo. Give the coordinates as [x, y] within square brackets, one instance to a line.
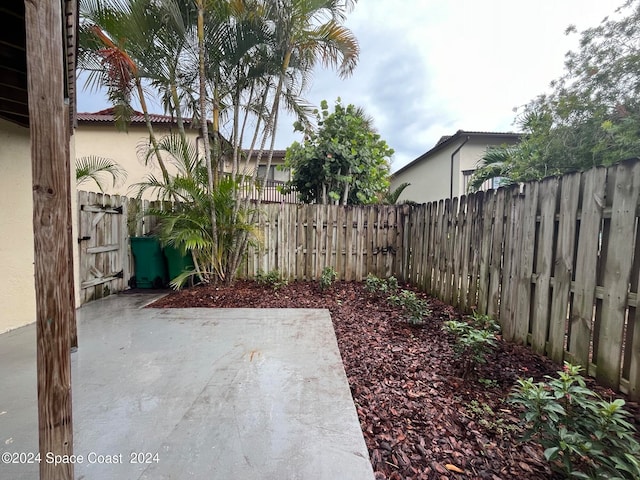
[204, 126]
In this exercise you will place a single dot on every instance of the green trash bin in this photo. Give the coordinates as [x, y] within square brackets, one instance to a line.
[149, 263]
[176, 262]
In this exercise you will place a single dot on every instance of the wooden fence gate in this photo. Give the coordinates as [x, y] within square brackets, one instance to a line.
[102, 244]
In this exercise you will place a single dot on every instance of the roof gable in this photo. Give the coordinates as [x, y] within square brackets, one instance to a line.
[450, 140]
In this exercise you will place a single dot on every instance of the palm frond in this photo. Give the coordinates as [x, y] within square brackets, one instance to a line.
[95, 168]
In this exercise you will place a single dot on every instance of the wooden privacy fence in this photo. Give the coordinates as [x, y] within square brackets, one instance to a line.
[556, 261]
[301, 240]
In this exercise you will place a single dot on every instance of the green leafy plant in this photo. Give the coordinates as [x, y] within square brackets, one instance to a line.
[342, 161]
[474, 339]
[274, 279]
[415, 309]
[327, 278]
[487, 417]
[583, 435]
[382, 286]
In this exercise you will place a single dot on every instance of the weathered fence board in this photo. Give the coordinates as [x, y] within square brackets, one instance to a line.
[563, 267]
[617, 272]
[544, 264]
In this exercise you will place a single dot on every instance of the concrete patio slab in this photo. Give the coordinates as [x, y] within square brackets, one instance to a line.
[193, 393]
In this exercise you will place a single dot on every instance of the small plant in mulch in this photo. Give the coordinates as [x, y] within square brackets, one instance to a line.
[381, 286]
[474, 339]
[415, 309]
[584, 436]
[496, 422]
[273, 279]
[327, 278]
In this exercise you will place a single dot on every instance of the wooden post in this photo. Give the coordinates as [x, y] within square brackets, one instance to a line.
[53, 265]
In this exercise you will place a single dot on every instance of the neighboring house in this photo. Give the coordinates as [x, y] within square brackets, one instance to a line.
[445, 170]
[96, 134]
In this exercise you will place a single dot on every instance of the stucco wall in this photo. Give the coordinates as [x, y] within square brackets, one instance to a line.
[430, 177]
[105, 141]
[17, 295]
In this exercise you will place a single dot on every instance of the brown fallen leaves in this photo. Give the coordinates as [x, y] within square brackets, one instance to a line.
[419, 419]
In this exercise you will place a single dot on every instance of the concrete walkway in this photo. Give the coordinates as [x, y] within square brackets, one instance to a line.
[193, 394]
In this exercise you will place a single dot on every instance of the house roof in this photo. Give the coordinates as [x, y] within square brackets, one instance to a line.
[107, 116]
[449, 140]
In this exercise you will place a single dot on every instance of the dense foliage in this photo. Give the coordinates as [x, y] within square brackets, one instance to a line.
[592, 115]
[235, 63]
[343, 161]
[584, 436]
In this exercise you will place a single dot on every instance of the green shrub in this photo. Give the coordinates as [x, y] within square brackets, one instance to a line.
[414, 308]
[274, 279]
[382, 286]
[328, 276]
[583, 435]
[474, 340]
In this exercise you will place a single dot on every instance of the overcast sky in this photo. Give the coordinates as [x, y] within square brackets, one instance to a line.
[431, 67]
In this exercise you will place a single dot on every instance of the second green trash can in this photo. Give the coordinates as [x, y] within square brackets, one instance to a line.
[176, 262]
[149, 262]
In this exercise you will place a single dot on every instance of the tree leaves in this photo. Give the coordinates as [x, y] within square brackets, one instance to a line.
[343, 161]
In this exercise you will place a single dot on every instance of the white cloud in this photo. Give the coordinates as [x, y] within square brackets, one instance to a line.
[430, 67]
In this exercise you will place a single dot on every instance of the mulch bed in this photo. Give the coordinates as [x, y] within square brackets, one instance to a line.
[420, 419]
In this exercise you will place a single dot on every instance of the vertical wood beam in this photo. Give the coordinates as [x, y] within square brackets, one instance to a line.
[51, 195]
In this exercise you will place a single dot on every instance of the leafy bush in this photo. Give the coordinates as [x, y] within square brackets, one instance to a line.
[583, 435]
[328, 276]
[474, 340]
[383, 286]
[274, 279]
[415, 308]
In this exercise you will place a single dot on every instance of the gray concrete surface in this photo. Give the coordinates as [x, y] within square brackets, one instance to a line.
[193, 394]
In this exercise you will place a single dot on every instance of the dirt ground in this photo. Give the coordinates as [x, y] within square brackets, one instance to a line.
[420, 419]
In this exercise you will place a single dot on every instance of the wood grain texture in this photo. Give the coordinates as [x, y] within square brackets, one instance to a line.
[617, 273]
[53, 260]
[563, 269]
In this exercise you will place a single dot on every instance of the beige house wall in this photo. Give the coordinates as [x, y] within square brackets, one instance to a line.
[470, 156]
[17, 295]
[430, 178]
[104, 140]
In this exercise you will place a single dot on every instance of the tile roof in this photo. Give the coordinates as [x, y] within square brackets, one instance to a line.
[107, 116]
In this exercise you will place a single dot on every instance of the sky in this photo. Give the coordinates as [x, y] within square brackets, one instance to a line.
[429, 68]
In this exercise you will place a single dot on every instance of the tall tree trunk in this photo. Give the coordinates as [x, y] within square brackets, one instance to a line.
[205, 129]
[270, 129]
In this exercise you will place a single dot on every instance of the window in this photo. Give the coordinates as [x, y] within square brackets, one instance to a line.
[263, 168]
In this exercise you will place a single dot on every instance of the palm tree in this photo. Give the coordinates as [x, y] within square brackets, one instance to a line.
[116, 37]
[303, 33]
[496, 162]
[95, 168]
[187, 224]
[236, 60]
